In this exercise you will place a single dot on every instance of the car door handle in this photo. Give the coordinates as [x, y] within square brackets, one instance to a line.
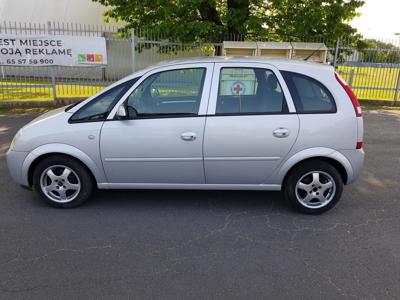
[281, 132]
[188, 136]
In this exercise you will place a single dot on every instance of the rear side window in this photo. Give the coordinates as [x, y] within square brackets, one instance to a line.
[249, 91]
[309, 95]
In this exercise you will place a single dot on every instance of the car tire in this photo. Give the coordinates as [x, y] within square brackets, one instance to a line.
[62, 181]
[313, 187]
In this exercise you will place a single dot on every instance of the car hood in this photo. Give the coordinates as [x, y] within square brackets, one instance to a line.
[48, 115]
[46, 127]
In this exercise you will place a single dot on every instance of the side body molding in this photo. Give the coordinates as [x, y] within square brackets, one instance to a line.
[310, 153]
[96, 170]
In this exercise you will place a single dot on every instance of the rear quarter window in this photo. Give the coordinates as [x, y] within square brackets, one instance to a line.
[309, 95]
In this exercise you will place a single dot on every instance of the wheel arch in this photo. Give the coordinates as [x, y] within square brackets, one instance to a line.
[333, 157]
[48, 150]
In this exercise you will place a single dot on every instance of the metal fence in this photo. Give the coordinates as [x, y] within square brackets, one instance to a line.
[373, 73]
[124, 55]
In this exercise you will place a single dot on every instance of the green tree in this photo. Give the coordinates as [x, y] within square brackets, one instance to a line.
[216, 20]
[379, 52]
[313, 20]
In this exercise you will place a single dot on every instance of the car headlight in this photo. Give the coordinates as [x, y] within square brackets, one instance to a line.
[15, 139]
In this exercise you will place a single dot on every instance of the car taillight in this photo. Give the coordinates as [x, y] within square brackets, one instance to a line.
[359, 145]
[350, 93]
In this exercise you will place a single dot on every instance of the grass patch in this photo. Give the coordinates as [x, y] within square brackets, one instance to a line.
[372, 78]
[40, 89]
[11, 90]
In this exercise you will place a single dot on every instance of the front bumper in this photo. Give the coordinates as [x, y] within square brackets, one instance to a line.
[15, 161]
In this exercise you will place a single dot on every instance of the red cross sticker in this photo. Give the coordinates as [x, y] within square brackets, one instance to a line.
[237, 88]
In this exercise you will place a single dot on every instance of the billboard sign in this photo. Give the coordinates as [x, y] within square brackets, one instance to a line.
[52, 50]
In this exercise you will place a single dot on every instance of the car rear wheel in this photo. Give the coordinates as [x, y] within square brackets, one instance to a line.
[62, 181]
[313, 187]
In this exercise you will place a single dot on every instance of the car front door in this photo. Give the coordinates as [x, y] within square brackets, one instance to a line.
[161, 141]
[251, 124]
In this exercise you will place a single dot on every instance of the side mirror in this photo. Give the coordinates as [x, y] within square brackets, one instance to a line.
[121, 112]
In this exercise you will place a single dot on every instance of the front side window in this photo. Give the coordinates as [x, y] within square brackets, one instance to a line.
[249, 91]
[309, 95]
[99, 108]
[168, 93]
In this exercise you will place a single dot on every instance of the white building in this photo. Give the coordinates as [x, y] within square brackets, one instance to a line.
[41, 11]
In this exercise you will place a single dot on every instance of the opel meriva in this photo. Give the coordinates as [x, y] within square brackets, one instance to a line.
[213, 123]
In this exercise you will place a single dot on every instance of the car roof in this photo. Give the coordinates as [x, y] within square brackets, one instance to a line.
[278, 62]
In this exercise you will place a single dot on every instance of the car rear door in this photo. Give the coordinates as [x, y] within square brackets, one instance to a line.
[161, 143]
[251, 124]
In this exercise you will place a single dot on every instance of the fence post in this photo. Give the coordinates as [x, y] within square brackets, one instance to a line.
[396, 92]
[133, 50]
[351, 77]
[52, 68]
[336, 53]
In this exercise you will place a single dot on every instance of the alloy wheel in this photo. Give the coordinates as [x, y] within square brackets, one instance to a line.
[60, 183]
[315, 189]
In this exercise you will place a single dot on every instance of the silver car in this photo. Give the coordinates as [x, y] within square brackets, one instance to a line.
[213, 123]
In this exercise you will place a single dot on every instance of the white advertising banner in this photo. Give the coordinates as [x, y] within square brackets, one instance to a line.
[52, 50]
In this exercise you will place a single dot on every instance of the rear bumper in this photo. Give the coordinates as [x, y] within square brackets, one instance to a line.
[15, 161]
[356, 159]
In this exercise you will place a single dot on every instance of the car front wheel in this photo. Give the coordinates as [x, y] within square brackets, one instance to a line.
[62, 181]
[313, 187]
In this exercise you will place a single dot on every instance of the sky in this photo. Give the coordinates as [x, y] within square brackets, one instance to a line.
[379, 19]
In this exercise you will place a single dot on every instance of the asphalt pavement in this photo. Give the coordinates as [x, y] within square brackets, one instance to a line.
[207, 244]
